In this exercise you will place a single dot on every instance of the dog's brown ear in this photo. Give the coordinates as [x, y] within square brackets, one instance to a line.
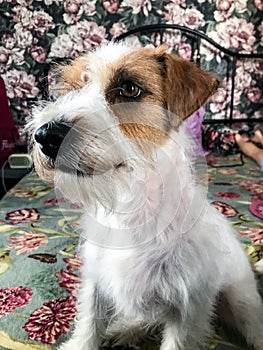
[187, 86]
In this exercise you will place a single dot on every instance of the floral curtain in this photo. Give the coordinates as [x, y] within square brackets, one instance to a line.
[33, 32]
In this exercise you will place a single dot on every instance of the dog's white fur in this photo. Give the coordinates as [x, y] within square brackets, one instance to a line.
[159, 254]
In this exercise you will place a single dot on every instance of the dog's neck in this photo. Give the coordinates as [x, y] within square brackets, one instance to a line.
[157, 199]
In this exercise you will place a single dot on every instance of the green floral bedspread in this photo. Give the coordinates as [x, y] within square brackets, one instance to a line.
[39, 264]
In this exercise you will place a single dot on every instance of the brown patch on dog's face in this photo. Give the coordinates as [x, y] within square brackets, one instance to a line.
[153, 76]
[149, 76]
[138, 77]
[72, 76]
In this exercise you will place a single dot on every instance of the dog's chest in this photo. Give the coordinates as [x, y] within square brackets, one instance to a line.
[133, 281]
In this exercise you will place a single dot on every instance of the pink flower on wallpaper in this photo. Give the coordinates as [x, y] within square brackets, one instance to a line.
[42, 22]
[83, 36]
[72, 6]
[259, 4]
[9, 42]
[260, 29]
[74, 10]
[91, 34]
[23, 215]
[185, 51]
[89, 7]
[144, 6]
[181, 3]
[255, 234]
[118, 29]
[23, 15]
[174, 13]
[110, 6]
[20, 84]
[52, 320]
[225, 209]
[48, 2]
[235, 33]
[189, 17]
[228, 195]
[13, 298]
[38, 53]
[63, 46]
[254, 94]
[27, 242]
[241, 6]
[172, 39]
[4, 55]
[23, 37]
[224, 5]
[193, 18]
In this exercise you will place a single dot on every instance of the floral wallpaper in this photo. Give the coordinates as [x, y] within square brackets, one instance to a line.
[33, 32]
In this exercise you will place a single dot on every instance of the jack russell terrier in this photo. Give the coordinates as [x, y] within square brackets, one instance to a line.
[156, 254]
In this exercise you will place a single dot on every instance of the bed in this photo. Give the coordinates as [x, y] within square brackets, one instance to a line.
[39, 263]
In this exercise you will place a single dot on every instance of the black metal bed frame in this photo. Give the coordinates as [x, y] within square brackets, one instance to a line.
[231, 56]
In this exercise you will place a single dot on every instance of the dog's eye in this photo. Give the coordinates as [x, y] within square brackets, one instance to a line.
[130, 90]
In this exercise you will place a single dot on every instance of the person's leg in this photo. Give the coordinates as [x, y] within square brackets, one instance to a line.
[249, 149]
[257, 137]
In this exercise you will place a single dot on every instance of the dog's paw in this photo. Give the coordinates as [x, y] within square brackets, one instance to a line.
[169, 344]
[75, 344]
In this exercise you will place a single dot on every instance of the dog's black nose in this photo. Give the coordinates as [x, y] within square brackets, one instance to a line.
[50, 137]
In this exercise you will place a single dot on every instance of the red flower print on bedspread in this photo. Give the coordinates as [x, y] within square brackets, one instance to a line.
[27, 242]
[228, 195]
[13, 298]
[68, 279]
[225, 209]
[23, 215]
[52, 320]
[255, 234]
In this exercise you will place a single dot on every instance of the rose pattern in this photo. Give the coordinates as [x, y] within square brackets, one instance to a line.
[23, 215]
[13, 298]
[51, 320]
[36, 32]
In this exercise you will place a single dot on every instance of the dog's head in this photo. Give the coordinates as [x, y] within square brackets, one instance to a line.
[116, 105]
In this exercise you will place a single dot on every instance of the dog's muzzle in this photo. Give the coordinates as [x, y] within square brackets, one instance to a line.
[50, 137]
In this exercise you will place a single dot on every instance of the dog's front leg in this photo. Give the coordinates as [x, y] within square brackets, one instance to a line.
[85, 335]
[173, 336]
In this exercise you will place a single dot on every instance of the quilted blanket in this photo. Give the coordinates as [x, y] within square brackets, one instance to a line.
[39, 262]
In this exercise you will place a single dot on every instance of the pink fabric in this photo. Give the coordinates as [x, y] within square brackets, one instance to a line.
[194, 125]
[8, 130]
